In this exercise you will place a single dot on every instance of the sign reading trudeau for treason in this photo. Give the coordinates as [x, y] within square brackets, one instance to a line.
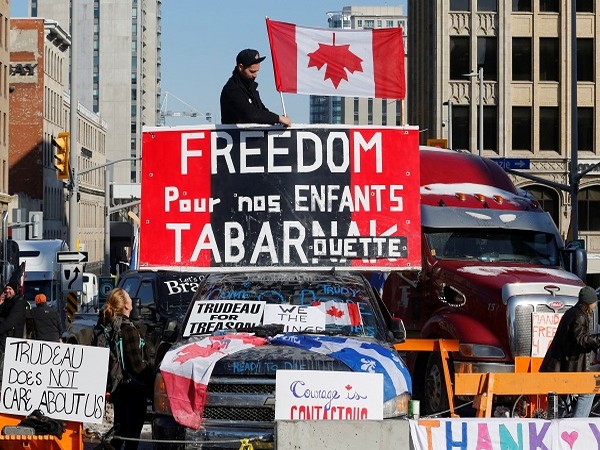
[264, 197]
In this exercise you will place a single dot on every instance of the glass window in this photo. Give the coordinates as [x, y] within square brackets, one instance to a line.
[487, 57]
[549, 6]
[379, 23]
[461, 129]
[487, 5]
[460, 57]
[521, 5]
[585, 59]
[585, 5]
[521, 59]
[355, 111]
[585, 129]
[521, 128]
[460, 5]
[589, 205]
[547, 198]
[389, 23]
[549, 63]
[359, 23]
[490, 128]
[550, 128]
[369, 23]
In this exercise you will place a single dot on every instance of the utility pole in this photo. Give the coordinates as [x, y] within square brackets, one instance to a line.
[573, 178]
[74, 138]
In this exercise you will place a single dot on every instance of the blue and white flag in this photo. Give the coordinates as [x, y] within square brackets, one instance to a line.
[359, 356]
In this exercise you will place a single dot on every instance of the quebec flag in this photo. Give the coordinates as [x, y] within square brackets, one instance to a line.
[359, 356]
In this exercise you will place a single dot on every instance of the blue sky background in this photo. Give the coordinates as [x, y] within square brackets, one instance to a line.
[200, 39]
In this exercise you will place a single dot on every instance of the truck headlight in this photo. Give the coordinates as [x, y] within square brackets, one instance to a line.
[397, 406]
[480, 351]
[161, 401]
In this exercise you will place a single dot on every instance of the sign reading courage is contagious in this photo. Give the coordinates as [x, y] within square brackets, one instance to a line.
[265, 197]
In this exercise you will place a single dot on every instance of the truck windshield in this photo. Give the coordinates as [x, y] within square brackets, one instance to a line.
[33, 288]
[521, 246]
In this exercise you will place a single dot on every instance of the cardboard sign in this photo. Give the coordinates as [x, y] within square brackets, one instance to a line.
[543, 329]
[64, 381]
[319, 395]
[208, 316]
[295, 318]
[264, 198]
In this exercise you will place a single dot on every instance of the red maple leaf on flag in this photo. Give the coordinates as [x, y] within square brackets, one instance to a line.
[334, 312]
[197, 351]
[339, 60]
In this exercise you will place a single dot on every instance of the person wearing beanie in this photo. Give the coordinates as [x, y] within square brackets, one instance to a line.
[572, 343]
[240, 100]
[12, 317]
[46, 322]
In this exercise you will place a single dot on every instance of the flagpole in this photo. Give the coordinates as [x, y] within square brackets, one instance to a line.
[282, 103]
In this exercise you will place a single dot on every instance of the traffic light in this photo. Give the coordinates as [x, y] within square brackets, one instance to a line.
[61, 142]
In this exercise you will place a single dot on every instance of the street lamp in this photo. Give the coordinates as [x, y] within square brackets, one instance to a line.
[479, 75]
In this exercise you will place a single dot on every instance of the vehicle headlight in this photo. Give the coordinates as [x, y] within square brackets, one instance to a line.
[161, 401]
[397, 406]
[480, 351]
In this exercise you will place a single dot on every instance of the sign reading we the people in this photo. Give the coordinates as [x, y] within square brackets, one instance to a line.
[266, 198]
[64, 381]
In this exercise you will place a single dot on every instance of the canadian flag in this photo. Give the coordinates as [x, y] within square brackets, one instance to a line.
[334, 61]
[339, 313]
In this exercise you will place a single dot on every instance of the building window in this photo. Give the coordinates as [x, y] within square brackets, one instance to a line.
[460, 57]
[585, 129]
[521, 59]
[359, 23]
[379, 25]
[490, 128]
[589, 205]
[389, 23]
[549, 62]
[369, 23]
[384, 104]
[521, 5]
[585, 6]
[549, 6]
[355, 110]
[460, 5]
[547, 198]
[460, 127]
[487, 5]
[585, 59]
[370, 111]
[550, 129]
[487, 57]
[521, 128]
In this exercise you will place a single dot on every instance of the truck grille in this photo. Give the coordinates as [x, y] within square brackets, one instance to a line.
[239, 414]
[522, 326]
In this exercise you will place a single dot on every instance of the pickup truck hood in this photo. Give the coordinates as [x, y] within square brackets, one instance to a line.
[492, 277]
[267, 359]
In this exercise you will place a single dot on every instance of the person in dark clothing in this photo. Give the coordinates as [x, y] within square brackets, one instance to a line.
[46, 322]
[12, 317]
[130, 397]
[240, 100]
[572, 344]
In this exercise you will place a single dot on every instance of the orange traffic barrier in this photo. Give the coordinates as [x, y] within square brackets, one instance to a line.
[72, 438]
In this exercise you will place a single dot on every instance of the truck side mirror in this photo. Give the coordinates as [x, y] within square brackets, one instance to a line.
[575, 261]
[397, 329]
[170, 331]
[137, 307]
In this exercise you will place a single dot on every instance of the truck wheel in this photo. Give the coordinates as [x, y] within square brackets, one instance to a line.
[436, 398]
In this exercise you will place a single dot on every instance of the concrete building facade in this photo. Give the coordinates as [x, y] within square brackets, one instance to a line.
[40, 110]
[355, 110]
[524, 49]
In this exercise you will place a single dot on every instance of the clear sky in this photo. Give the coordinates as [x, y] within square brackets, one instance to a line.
[200, 39]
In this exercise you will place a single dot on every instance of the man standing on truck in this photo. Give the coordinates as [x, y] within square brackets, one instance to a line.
[12, 317]
[240, 100]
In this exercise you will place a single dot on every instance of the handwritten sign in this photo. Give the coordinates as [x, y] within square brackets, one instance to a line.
[501, 434]
[543, 329]
[208, 316]
[64, 381]
[295, 318]
[319, 395]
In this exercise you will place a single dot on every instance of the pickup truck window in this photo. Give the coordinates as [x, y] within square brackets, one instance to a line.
[524, 246]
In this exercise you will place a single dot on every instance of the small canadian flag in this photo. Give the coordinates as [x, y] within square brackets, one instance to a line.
[334, 61]
[339, 313]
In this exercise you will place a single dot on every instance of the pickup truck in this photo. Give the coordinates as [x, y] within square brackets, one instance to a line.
[240, 395]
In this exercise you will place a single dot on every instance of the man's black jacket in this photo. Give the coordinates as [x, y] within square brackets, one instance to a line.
[46, 323]
[12, 319]
[241, 103]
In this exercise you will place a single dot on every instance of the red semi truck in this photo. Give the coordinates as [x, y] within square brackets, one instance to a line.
[495, 272]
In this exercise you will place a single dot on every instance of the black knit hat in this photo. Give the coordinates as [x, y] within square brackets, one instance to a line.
[588, 295]
[13, 285]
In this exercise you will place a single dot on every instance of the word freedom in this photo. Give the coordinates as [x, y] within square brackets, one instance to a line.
[235, 244]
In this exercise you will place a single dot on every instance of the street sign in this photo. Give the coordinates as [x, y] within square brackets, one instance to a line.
[71, 257]
[105, 285]
[513, 163]
[72, 277]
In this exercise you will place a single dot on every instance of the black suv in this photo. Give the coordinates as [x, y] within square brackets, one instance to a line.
[160, 299]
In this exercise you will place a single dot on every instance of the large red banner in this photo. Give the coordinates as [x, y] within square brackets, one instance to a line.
[269, 198]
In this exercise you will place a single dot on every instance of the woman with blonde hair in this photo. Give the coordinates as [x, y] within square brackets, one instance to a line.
[130, 397]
